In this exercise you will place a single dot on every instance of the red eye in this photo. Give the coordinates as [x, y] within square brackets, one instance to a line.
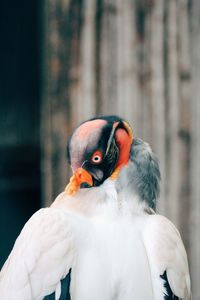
[96, 157]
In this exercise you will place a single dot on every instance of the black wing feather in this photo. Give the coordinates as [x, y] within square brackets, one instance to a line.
[169, 294]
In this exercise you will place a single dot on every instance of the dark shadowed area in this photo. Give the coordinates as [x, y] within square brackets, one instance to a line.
[19, 119]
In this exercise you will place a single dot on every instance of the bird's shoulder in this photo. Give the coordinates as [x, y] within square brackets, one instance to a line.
[166, 253]
[42, 255]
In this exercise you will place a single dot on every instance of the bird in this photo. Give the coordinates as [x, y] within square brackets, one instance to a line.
[101, 239]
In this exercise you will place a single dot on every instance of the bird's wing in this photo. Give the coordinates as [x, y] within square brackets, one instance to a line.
[167, 256]
[41, 257]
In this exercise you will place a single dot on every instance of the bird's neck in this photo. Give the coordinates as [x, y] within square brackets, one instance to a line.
[121, 201]
[103, 199]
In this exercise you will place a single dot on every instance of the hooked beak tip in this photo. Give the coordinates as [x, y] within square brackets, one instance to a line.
[83, 176]
[80, 176]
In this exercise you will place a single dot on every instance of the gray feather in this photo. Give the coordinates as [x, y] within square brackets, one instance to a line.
[142, 175]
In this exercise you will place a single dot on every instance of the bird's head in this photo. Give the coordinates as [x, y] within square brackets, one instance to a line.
[97, 150]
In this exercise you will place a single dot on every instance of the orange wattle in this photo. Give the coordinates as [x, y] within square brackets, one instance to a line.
[124, 141]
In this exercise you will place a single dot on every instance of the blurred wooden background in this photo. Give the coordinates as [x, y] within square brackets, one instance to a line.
[139, 59]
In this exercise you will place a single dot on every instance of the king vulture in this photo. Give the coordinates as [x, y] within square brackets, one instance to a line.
[101, 238]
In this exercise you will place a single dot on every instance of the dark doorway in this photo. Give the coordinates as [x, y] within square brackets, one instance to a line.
[19, 119]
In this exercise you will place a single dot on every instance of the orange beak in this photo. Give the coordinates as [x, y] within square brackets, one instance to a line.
[79, 176]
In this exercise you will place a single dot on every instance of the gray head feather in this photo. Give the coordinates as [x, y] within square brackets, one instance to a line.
[142, 174]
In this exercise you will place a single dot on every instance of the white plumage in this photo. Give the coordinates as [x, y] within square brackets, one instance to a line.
[106, 244]
[107, 237]
[165, 251]
[42, 255]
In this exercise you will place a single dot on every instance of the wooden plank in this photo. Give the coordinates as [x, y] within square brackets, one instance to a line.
[145, 113]
[194, 219]
[86, 107]
[184, 69]
[173, 117]
[127, 88]
[45, 119]
[108, 58]
[157, 91]
[61, 82]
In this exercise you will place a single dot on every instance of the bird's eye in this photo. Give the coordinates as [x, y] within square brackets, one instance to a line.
[96, 157]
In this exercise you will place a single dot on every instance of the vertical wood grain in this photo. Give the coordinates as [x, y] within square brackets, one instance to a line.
[108, 57]
[127, 88]
[173, 116]
[157, 89]
[194, 221]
